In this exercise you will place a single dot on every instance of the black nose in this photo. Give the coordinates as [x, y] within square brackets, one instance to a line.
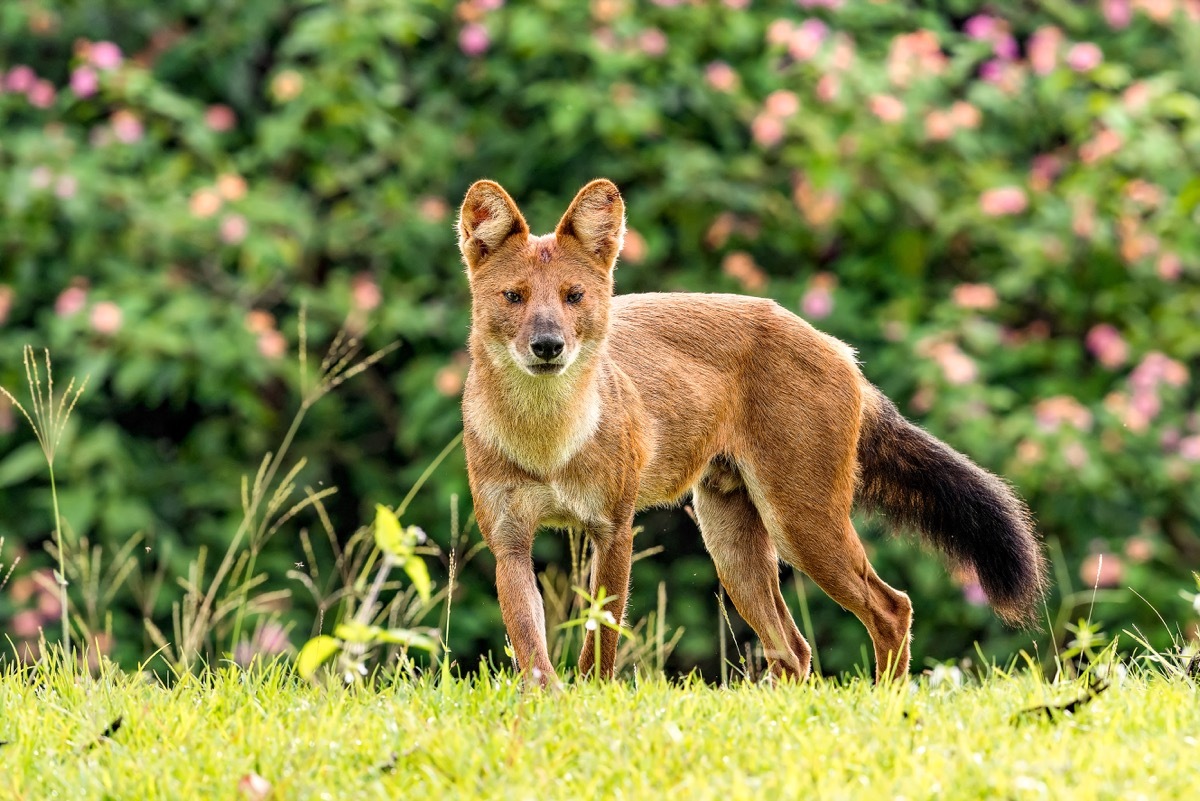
[547, 346]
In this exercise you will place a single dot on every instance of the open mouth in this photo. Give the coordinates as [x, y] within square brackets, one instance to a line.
[545, 368]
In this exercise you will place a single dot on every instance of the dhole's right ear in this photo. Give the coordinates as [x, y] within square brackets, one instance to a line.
[486, 221]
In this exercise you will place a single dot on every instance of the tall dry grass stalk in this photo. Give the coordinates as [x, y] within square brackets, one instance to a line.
[48, 421]
[268, 503]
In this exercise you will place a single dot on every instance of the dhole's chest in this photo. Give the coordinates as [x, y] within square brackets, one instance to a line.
[563, 503]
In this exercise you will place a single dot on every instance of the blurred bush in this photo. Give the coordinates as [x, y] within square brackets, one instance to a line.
[999, 209]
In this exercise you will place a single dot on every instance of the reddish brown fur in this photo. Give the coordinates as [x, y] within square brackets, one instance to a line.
[731, 398]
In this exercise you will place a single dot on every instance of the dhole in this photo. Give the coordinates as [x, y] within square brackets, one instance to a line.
[582, 408]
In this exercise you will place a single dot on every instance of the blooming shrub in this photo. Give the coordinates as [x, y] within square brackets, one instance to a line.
[1000, 210]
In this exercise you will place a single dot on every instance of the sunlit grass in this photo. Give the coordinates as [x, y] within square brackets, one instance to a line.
[650, 739]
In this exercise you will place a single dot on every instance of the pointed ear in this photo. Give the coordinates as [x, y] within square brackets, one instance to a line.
[596, 219]
[487, 219]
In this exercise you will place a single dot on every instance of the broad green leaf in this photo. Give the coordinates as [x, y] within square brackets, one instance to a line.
[23, 463]
[410, 639]
[389, 535]
[357, 632]
[418, 574]
[315, 653]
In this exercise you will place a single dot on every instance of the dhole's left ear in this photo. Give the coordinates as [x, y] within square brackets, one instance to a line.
[488, 218]
[596, 219]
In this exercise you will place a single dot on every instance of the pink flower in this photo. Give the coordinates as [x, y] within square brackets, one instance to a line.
[40, 177]
[70, 301]
[448, 380]
[1043, 49]
[633, 248]
[1136, 97]
[965, 115]
[1075, 455]
[1052, 412]
[975, 296]
[105, 55]
[489, 5]
[767, 130]
[204, 203]
[126, 126]
[433, 209]
[220, 118]
[974, 595]
[817, 302]
[26, 624]
[1005, 46]
[84, 81]
[888, 108]
[272, 344]
[65, 187]
[721, 77]
[473, 40]
[231, 186]
[957, 367]
[1169, 266]
[779, 32]
[914, 55]
[1084, 56]
[828, 87]
[288, 84]
[42, 94]
[842, 57]
[1139, 549]
[1189, 448]
[1155, 368]
[233, 229]
[938, 126]
[1107, 345]
[806, 39]
[1102, 570]
[992, 70]
[6, 302]
[1158, 10]
[652, 42]
[1003, 201]
[1117, 13]
[20, 79]
[365, 292]
[1043, 171]
[740, 266]
[782, 103]
[980, 27]
[106, 318]
[1104, 144]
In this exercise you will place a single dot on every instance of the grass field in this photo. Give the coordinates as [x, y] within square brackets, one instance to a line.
[484, 738]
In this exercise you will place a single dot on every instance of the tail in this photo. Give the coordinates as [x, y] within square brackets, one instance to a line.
[968, 513]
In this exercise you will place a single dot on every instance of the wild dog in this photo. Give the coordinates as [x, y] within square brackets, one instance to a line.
[580, 408]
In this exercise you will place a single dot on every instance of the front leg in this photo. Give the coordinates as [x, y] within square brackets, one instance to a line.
[520, 602]
[610, 570]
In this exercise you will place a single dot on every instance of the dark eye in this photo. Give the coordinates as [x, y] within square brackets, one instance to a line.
[574, 296]
[511, 296]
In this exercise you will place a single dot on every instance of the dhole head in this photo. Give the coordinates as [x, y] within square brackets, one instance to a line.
[540, 302]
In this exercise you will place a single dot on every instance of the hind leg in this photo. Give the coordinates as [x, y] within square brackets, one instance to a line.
[831, 553]
[748, 566]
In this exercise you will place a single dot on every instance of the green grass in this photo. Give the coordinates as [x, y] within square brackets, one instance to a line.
[652, 739]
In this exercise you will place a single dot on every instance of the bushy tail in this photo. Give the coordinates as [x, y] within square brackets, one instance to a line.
[970, 514]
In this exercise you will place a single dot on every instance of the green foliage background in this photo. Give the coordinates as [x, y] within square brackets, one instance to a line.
[1019, 271]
